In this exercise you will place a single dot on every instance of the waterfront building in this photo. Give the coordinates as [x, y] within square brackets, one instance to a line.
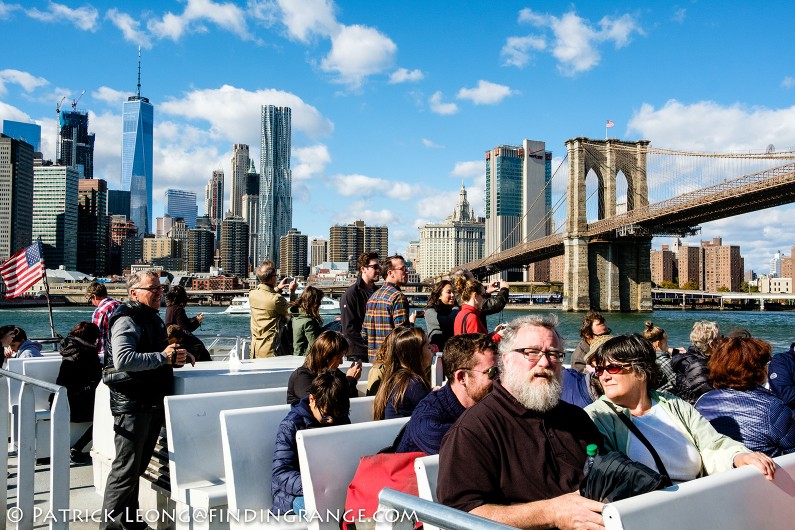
[557, 269]
[163, 225]
[768, 285]
[292, 249]
[93, 227]
[346, 242]
[722, 266]
[275, 189]
[214, 197]
[121, 229]
[179, 230]
[240, 169]
[165, 251]
[458, 239]
[201, 249]
[119, 203]
[76, 144]
[413, 254]
[538, 271]
[181, 203]
[663, 265]
[55, 214]
[688, 266]
[250, 210]
[775, 265]
[16, 195]
[25, 132]
[518, 198]
[138, 116]
[234, 245]
[319, 252]
[132, 250]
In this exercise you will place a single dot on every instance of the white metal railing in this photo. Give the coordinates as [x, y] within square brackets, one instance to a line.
[400, 511]
[26, 452]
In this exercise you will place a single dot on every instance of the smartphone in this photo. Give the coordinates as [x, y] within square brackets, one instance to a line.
[420, 314]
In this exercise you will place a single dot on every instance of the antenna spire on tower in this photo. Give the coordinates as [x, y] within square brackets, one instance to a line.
[139, 73]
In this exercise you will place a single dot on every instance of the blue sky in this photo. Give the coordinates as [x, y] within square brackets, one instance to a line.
[395, 103]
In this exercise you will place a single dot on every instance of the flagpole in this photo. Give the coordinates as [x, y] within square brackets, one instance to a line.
[47, 290]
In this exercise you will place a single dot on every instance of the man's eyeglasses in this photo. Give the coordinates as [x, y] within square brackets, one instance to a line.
[403, 268]
[533, 355]
[374, 266]
[157, 289]
[491, 373]
[612, 368]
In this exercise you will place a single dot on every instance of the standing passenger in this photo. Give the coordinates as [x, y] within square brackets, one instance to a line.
[97, 295]
[307, 324]
[268, 309]
[440, 314]
[354, 302]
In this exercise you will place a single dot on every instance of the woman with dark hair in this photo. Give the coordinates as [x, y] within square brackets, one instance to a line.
[80, 373]
[307, 324]
[659, 341]
[440, 314]
[326, 353]
[740, 407]
[592, 326]
[687, 444]
[176, 300]
[405, 379]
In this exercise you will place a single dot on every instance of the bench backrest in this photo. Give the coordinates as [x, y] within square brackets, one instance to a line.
[739, 498]
[249, 439]
[43, 370]
[427, 469]
[329, 458]
[17, 366]
[437, 370]
[194, 433]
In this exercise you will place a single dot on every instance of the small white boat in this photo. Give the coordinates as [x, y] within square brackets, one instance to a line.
[241, 306]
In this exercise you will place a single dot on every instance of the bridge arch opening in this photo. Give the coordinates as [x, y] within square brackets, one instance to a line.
[595, 197]
[624, 197]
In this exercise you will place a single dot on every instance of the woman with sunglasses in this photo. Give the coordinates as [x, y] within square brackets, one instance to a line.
[405, 378]
[440, 314]
[687, 444]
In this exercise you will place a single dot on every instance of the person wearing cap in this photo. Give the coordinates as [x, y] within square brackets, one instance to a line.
[97, 295]
[517, 456]
[470, 366]
[580, 388]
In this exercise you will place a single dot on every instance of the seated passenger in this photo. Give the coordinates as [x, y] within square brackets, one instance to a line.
[781, 376]
[470, 366]
[193, 344]
[659, 340]
[740, 407]
[80, 373]
[406, 374]
[582, 388]
[327, 403]
[326, 353]
[517, 456]
[592, 326]
[21, 347]
[686, 442]
[690, 368]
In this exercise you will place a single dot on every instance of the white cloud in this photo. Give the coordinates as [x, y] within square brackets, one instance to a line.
[469, 169]
[364, 186]
[357, 52]
[312, 162]
[110, 96]
[130, 27]
[240, 121]
[679, 15]
[226, 16]
[576, 40]
[7, 9]
[302, 18]
[788, 82]
[430, 144]
[439, 107]
[402, 75]
[84, 18]
[25, 80]
[359, 210]
[10, 112]
[516, 50]
[486, 93]
[436, 207]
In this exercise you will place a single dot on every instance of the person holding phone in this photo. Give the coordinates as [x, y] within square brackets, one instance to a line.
[495, 296]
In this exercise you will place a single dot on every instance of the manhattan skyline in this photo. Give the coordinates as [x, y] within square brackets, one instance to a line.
[394, 104]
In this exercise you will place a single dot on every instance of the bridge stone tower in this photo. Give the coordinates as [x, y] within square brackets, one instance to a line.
[612, 273]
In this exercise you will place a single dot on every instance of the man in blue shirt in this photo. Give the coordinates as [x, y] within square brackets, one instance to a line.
[470, 366]
[781, 375]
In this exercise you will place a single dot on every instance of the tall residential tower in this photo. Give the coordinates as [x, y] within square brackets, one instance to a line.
[136, 156]
[275, 190]
[240, 166]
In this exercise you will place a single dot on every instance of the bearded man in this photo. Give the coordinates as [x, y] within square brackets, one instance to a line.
[517, 456]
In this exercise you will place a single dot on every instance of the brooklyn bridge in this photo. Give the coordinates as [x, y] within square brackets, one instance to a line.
[618, 195]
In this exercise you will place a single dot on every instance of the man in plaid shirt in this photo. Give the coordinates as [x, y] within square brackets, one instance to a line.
[387, 308]
[97, 295]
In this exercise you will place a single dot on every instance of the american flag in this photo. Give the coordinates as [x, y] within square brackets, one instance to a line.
[609, 123]
[22, 270]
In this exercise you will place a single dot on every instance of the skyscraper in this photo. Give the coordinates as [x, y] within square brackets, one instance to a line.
[214, 197]
[319, 252]
[93, 229]
[275, 190]
[16, 195]
[27, 132]
[250, 211]
[293, 246]
[136, 156]
[55, 214]
[119, 203]
[76, 143]
[240, 167]
[346, 242]
[518, 198]
[234, 245]
[181, 203]
[201, 244]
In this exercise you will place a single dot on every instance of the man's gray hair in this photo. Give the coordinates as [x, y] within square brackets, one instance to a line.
[136, 278]
[549, 322]
[266, 271]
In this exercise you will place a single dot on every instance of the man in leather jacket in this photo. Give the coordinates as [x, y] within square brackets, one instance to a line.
[138, 372]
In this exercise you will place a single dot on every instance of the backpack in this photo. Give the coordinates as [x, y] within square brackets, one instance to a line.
[283, 342]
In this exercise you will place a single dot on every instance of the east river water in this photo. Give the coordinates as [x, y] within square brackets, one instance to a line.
[778, 328]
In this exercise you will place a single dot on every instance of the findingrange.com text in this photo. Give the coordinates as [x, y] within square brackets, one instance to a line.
[215, 515]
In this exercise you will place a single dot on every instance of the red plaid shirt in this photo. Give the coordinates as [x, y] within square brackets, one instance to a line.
[101, 316]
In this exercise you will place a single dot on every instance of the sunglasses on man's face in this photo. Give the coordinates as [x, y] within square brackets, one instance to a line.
[612, 368]
[491, 373]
